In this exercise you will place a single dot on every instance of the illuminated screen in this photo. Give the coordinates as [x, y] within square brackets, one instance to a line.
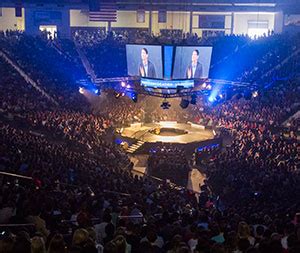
[192, 62]
[167, 84]
[144, 61]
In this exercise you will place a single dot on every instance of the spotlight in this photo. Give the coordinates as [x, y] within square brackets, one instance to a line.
[81, 90]
[184, 103]
[117, 95]
[165, 105]
[211, 99]
[255, 94]
[193, 99]
[128, 86]
[134, 97]
[218, 98]
[204, 85]
[123, 84]
[97, 92]
[208, 87]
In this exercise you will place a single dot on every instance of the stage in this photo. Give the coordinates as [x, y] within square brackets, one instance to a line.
[168, 132]
[146, 137]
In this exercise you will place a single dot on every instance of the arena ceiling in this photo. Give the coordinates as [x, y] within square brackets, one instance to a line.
[289, 6]
[257, 2]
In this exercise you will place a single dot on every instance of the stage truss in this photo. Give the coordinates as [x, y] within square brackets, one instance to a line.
[201, 87]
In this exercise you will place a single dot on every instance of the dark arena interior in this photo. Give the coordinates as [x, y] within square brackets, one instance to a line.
[150, 126]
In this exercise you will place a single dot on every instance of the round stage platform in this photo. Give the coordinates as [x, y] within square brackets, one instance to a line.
[167, 131]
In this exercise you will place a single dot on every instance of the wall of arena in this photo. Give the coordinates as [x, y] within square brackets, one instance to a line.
[9, 21]
[65, 19]
[241, 21]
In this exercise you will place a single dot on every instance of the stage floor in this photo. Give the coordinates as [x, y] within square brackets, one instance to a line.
[194, 133]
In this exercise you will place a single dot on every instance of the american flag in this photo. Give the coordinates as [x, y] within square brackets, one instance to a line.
[106, 13]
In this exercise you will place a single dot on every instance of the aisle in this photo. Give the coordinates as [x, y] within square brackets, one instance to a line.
[195, 179]
[139, 164]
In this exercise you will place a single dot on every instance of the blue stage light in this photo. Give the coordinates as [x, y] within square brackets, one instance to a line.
[134, 96]
[81, 90]
[211, 99]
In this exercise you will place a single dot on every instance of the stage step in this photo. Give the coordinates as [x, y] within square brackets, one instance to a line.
[134, 147]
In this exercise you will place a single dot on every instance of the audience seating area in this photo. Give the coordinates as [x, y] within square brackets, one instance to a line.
[75, 191]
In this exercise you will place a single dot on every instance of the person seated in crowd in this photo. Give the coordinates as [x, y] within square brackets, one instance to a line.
[77, 193]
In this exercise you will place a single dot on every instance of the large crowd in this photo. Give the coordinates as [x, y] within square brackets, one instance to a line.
[77, 193]
[170, 162]
[38, 58]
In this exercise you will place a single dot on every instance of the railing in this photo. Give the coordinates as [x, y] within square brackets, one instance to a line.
[18, 225]
[281, 64]
[15, 175]
[161, 180]
[27, 78]
[85, 62]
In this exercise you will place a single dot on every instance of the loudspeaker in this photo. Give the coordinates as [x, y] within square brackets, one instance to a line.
[184, 103]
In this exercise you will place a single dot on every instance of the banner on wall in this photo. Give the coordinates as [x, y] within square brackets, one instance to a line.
[162, 16]
[140, 16]
[212, 21]
[47, 17]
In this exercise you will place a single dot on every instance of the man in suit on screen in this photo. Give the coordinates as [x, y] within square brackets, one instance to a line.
[146, 68]
[194, 69]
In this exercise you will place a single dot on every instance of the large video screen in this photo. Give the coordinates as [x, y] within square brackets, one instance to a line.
[144, 61]
[192, 62]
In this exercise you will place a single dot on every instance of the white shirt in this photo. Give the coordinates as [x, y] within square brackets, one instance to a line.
[284, 242]
[192, 244]
[146, 69]
[194, 69]
[100, 231]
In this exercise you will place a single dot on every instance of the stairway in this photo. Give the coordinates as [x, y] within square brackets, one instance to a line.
[85, 62]
[139, 165]
[278, 66]
[134, 147]
[296, 115]
[56, 47]
[27, 78]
